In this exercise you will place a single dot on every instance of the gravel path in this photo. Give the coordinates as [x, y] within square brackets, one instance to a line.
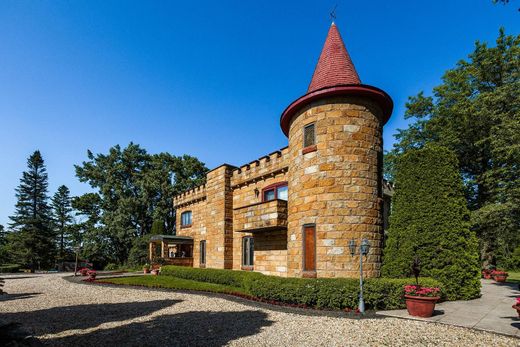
[62, 313]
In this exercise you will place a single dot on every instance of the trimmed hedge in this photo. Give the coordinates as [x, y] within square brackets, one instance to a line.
[327, 293]
[9, 268]
[225, 277]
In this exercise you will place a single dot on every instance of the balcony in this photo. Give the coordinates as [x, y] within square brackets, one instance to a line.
[263, 216]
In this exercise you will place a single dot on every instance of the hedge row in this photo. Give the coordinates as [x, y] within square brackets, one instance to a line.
[9, 268]
[329, 293]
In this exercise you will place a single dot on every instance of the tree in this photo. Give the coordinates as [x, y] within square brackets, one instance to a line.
[33, 240]
[475, 112]
[62, 217]
[430, 221]
[134, 189]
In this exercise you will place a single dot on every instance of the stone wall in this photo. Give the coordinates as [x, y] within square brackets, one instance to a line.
[337, 186]
[197, 230]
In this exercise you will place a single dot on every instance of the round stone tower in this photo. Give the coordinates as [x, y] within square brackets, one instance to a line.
[335, 170]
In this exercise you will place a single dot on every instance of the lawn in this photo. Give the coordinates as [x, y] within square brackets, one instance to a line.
[514, 277]
[171, 282]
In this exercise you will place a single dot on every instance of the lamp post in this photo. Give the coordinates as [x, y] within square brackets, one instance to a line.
[77, 249]
[364, 248]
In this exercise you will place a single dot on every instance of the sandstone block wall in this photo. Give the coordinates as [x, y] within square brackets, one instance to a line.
[337, 187]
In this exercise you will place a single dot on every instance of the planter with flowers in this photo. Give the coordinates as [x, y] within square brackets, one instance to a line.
[84, 271]
[146, 268]
[420, 301]
[91, 275]
[500, 276]
[487, 274]
[517, 306]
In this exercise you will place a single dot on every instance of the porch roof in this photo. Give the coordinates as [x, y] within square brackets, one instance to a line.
[172, 239]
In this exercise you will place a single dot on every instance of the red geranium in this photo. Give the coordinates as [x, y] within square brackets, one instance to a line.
[416, 290]
[518, 301]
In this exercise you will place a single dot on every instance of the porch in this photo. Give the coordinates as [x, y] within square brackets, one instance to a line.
[171, 250]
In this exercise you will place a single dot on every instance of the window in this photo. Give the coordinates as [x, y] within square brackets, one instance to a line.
[186, 219]
[309, 136]
[309, 247]
[248, 251]
[275, 191]
[202, 259]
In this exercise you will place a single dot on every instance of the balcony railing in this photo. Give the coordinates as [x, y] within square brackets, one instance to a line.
[261, 216]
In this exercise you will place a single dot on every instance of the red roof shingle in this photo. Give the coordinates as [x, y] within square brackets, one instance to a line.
[334, 66]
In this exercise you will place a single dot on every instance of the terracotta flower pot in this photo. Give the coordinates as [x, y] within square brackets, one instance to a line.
[517, 308]
[486, 275]
[420, 306]
[500, 278]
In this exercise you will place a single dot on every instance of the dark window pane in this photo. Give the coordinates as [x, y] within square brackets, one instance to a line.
[269, 195]
[308, 135]
[247, 251]
[186, 218]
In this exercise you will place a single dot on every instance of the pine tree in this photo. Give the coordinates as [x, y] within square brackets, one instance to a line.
[62, 217]
[33, 240]
[430, 221]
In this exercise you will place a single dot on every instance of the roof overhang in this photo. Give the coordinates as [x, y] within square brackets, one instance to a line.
[172, 239]
[361, 90]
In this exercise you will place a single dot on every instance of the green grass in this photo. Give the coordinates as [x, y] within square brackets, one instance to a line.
[514, 277]
[171, 282]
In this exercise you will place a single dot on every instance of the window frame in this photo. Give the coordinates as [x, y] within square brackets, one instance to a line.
[182, 219]
[275, 187]
[305, 127]
[248, 254]
[202, 255]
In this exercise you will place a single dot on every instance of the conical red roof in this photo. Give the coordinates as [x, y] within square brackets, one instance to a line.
[334, 66]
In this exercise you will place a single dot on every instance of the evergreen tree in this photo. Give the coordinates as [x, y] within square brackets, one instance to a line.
[430, 220]
[475, 112]
[33, 242]
[62, 217]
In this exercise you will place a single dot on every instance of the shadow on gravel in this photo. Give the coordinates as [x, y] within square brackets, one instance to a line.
[8, 297]
[196, 328]
[58, 319]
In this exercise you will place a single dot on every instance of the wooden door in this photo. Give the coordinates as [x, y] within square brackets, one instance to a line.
[309, 247]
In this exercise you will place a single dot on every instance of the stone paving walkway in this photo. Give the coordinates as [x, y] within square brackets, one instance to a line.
[492, 312]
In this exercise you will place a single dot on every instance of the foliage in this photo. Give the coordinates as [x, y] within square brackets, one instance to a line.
[139, 252]
[111, 267]
[218, 276]
[133, 189]
[476, 113]
[32, 239]
[430, 221]
[331, 293]
[171, 282]
[417, 290]
[9, 268]
[62, 218]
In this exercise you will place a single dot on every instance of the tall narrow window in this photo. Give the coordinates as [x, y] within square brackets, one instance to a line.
[202, 259]
[248, 251]
[186, 219]
[309, 136]
[309, 247]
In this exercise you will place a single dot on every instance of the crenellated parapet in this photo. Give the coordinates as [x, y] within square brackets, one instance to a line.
[191, 196]
[267, 166]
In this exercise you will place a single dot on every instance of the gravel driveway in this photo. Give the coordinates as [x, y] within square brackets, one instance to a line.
[62, 313]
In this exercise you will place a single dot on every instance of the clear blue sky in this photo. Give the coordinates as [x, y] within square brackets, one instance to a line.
[204, 78]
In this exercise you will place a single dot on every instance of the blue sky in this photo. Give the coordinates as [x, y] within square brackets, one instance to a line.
[208, 79]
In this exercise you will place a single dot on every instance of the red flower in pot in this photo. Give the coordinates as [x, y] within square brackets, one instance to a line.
[517, 306]
[487, 274]
[500, 276]
[420, 301]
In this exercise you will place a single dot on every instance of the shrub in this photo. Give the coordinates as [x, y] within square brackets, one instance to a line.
[9, 268]
[111, 267]
[329, 293]
[225, 277]
[430, 220]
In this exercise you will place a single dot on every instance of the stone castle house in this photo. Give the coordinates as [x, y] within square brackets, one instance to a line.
[293, 212]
